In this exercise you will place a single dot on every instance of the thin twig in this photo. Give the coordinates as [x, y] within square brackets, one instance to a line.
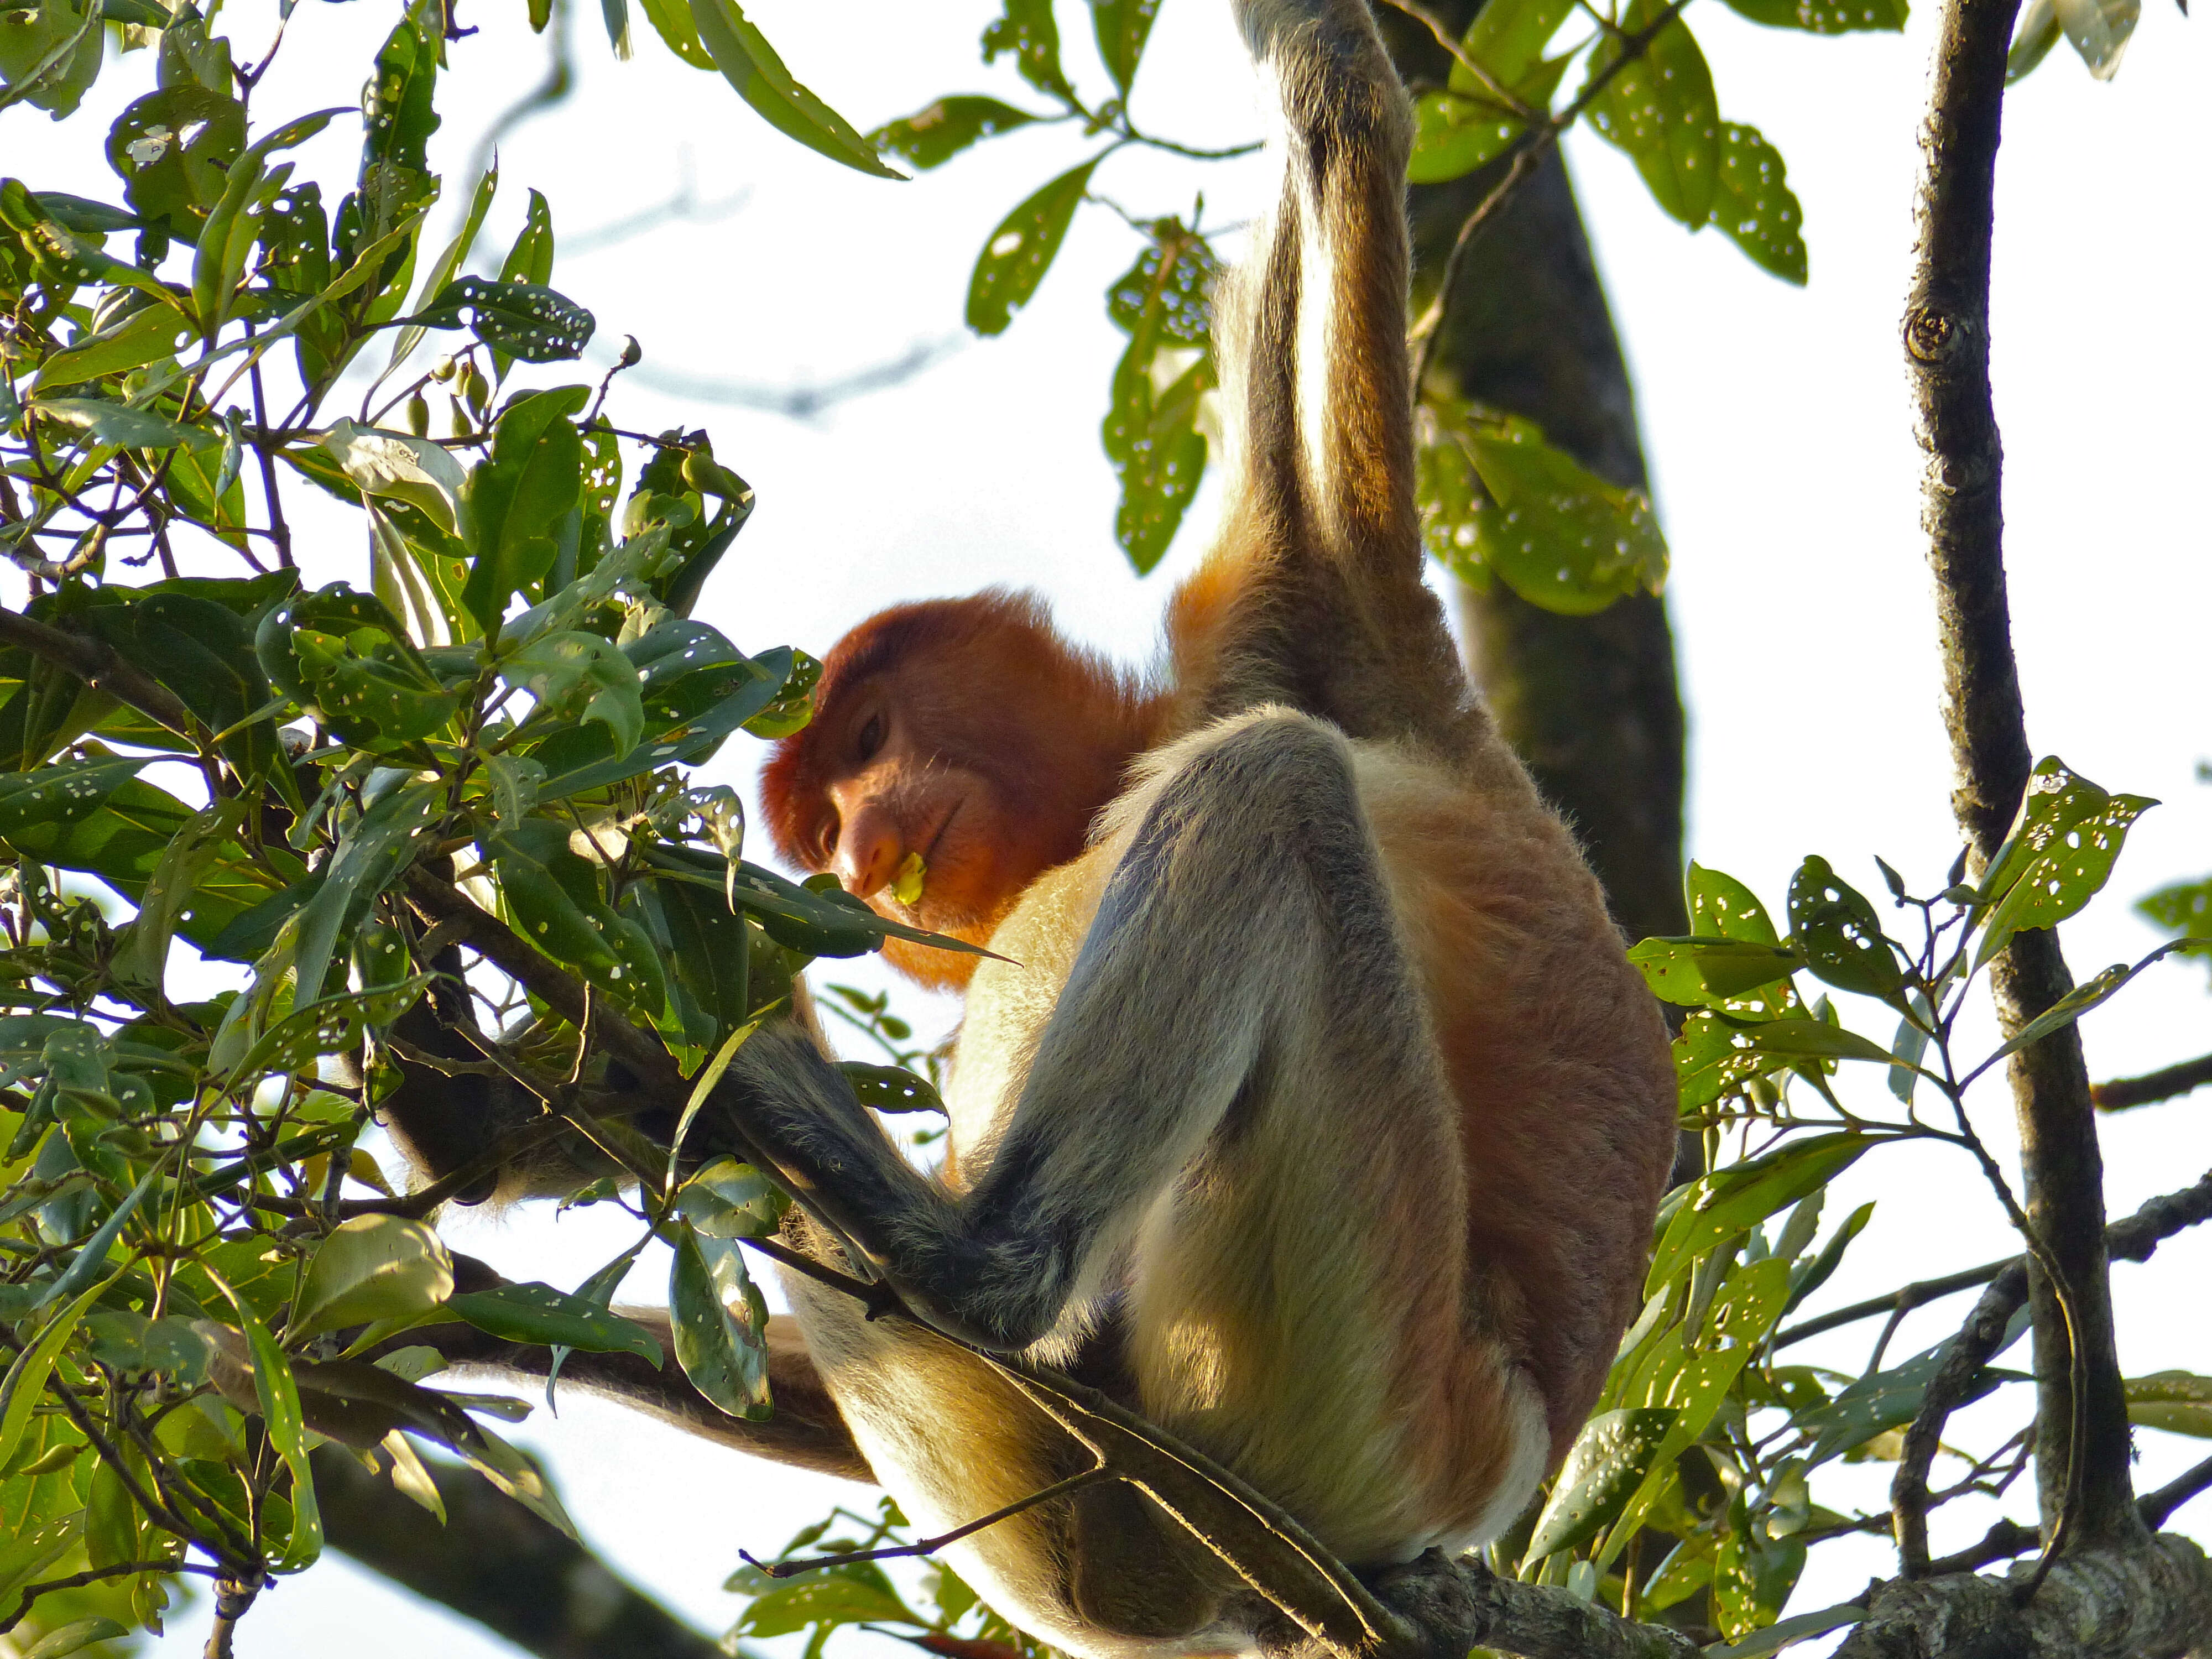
[921, 1546]
[1528, 150]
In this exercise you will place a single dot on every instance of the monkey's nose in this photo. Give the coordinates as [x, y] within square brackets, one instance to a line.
[868, 851]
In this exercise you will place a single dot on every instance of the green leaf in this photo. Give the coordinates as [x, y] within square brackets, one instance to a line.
[442, 273]
[1156, 451]
[851, 1593]
[347, 661]
[930, 137]
[517, 1476]
[26, 1378]
[288, 1430]
[120, 426]
[750, 64]
[521, 319]
[728, 1198]
[2033, 36]
[1752, 1580]
[144, 336]
[1027, 30]
[516, 499]
[204, 651]
[538, 1313]
[50, 54]
[1705, 972]
[1020, 250]
[1809, 1278]
[1824, 17]
[1508, 38]
[398, 466]
[671, 21]
[372, 856]
[374, 1267]
[81, 1633]
[1832, 923]
[1775, 1637]
[1660, 111]
[1754, 206]
[583, 677]
[174, 150]
[2090, 993]
[823, 921]
[1122, 27]
[1553, 532]
[891, 1088]
[1720, 904]
[233, 223]
[2179, 1402]
[1606, 1465]
[2058, 856]
[1730, 1201]
[554, 896]
[716, 1317]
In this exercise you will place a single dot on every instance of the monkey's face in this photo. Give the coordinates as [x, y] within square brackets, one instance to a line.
[959, 749]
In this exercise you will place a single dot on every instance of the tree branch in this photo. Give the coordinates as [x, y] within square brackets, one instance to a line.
[1960, 1369]
[2153, 1598]
[2082, 1439]
[496, 1562]
[2132, 1240]
[97, 663]
[2165, 1084]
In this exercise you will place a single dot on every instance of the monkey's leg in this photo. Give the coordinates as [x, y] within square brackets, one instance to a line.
[1245, 929]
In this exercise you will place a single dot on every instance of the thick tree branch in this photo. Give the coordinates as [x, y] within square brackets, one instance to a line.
[2149, 1600]
[496, 1562]
[2152, 1087]
[97, 663]
[2082, 1437]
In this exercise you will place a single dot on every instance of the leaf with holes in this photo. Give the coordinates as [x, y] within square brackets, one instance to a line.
[1554, 532]
[1021, 249]
[1704, 972]
[1660, 111]
[1122, 27]
[2058, 856]
[1754, 206]
[2179, 1402]
[891, 1088]
[1606, 1465]
[717, 1318]
[554, 896]
[728, 1198]
[930, 137]
[1824, 17]
[539, 1314]
[522, 319]
[1833, 924]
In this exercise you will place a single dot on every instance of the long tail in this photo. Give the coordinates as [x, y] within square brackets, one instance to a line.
[1313, 597]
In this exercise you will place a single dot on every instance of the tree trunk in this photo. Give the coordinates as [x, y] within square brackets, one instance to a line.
[1590, 703]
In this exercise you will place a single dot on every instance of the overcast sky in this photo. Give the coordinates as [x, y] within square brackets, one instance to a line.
[1777, 424]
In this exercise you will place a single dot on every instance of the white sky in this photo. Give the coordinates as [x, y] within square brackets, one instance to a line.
[1776, 420]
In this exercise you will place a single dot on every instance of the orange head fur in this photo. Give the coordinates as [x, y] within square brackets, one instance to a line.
[969, 733]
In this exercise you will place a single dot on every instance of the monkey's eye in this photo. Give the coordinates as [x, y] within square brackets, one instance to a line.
[871, 737]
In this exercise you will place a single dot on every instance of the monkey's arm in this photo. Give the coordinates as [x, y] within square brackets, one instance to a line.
[1245, 934]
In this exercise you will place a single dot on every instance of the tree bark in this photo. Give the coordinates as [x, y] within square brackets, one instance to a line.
[1590, 703]
[2082, 1445]
[496, 1562]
